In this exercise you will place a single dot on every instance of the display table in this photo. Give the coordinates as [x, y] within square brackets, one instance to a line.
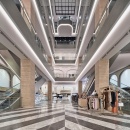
[82, 102]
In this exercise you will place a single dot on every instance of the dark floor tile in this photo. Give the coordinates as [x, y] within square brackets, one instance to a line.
[54, 126]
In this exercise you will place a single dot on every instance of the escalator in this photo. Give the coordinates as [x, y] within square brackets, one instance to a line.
[124, 97]
[10, 99]
[90, 85]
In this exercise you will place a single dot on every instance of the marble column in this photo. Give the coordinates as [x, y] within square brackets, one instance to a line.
[27, 83]
[101, 74]
[49, 91]
[80, 88]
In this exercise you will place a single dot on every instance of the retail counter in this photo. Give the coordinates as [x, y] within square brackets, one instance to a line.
[82, 102]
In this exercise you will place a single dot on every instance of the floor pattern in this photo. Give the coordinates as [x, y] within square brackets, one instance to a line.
[61, 116]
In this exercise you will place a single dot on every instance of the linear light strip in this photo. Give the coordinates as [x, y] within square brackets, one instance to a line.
[87, 27]
[42, 27]
[92, 60]
[23, 40]
[51, 16]
[78, 16]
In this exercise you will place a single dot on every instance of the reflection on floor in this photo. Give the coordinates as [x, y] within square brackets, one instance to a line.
[61, 115]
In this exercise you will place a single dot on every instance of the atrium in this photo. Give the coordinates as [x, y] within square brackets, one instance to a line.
[64, 65]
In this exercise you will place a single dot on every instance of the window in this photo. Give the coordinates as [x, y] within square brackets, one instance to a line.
[4, 78]
[114, 80]
[125, 79]
[65, 7]
[15, 80]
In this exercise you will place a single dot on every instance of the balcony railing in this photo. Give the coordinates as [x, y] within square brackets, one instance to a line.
[65, 77]
[64, 59]
[102, 20]
[32, 30]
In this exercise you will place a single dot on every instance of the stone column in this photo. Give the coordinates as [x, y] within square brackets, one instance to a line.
[80, 88]
[80, 60]
[27, 83]
[101, 74]
[50, 60]
[49, 90]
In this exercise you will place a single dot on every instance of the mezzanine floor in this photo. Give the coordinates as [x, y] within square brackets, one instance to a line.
[61, 116]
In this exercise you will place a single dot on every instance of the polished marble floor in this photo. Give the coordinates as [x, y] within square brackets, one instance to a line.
[62, 115]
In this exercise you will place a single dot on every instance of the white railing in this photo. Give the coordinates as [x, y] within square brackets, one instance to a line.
[64, 58]
[65, 75]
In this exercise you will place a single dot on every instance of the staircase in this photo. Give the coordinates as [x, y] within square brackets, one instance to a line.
[89, 86]
[10, 99]
[124, 98]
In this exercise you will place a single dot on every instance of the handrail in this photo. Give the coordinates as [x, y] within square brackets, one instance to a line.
[120, 89]
[12, 87]
[99, 25]
[18, 98]
[120, 83]
[90, 86]
[32, 28]
[7, 97]
[65, 58]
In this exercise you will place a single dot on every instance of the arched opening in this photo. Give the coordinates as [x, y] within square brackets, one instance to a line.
[58, 73]
[71, 73]
[114, 80]
[4, 78]
[125, 79]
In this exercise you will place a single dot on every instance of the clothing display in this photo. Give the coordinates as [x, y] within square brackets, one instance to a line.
[95, 103]
[107, 104]
[94, 93]
[107, 100]
[75, 97]
[113, 96]
[109, 97]
[84, 95]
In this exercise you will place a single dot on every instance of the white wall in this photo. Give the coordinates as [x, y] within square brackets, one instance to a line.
[44, 88]
[39, 84]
